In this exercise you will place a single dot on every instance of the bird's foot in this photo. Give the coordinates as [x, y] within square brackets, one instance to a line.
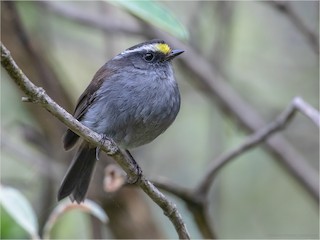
[138, 170]
[113, 149]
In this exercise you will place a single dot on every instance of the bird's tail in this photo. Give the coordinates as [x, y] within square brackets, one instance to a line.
[76, 182]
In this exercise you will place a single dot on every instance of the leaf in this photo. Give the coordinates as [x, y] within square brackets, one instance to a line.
[65, 206]
[156, 14]
[95, 210]
[18, 207]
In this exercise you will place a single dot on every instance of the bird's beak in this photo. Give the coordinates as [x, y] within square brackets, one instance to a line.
[173, 54]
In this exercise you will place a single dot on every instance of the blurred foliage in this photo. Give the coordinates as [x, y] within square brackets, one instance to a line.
[18, 218]
[152, 12]
[9, 227]
[265, 59]
[20, 210]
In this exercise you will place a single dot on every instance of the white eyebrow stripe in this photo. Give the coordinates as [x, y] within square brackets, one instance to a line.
[150, 47]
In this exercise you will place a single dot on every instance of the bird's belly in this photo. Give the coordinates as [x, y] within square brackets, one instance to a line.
[141, 134]
[134, 123]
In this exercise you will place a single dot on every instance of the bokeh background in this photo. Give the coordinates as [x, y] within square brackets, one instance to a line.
[260, 52]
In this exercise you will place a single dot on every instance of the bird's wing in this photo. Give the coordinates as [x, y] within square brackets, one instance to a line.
[84, 102]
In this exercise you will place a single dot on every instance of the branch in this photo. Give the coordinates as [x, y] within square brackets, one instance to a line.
[287, 10]
[300, 105]
[38, 95]
[170, 187]
[297, 104]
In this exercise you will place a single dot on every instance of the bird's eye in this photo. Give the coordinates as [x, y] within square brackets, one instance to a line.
[148, 57]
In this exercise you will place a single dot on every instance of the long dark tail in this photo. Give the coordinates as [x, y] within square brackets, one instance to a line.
[77, 179]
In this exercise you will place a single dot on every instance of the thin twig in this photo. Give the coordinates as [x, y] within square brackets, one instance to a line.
[170, 187]
[307, 110]
[38, 95]
[297, 104]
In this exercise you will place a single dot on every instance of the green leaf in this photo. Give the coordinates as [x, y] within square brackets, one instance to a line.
[156, 14]
[18, 207]
[9, 229]
[65, 206]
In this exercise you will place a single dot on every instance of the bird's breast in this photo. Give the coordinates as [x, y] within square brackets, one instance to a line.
[134, 113]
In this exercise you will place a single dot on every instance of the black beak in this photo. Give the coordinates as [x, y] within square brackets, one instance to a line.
[173, 54]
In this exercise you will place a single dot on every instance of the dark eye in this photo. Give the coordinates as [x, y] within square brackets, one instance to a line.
[148, 57]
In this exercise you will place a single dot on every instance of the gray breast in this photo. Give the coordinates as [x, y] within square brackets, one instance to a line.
[134, 113]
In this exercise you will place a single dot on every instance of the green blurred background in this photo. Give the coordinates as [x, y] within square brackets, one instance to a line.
[262, 55]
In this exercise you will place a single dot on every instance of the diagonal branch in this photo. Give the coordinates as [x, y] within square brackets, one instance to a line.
[37, 95]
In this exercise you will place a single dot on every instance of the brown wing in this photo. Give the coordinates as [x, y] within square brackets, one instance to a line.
[84, 102]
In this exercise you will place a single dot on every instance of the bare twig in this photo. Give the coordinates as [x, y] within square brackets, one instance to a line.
[297, 104]
[307, 110]
[38, 95]
[287, 10]
[171, 187]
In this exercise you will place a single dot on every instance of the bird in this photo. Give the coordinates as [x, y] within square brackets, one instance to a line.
[132, 99]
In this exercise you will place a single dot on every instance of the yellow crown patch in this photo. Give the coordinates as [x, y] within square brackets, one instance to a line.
[163, 47]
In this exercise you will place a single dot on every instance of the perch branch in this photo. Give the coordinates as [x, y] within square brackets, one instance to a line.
[38, 95]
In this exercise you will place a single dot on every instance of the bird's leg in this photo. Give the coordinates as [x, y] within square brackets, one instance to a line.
[133, 161]
[138, 169]
[98, 149]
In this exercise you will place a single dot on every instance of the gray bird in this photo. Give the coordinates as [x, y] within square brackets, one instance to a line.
[132, 99]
